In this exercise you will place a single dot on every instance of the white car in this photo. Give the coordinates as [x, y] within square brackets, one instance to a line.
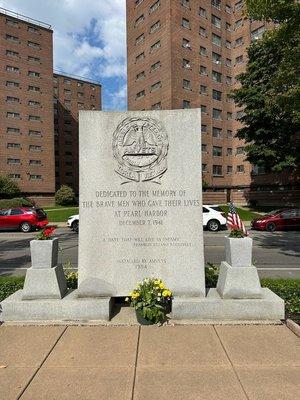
[213, 218]
[73, 222]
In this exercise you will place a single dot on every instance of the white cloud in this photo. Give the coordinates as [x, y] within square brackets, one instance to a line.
[89, 35]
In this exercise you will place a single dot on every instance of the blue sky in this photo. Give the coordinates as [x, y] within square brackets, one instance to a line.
[89, 40]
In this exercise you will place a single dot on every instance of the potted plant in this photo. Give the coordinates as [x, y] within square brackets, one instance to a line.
[44, 249]
[151, 301]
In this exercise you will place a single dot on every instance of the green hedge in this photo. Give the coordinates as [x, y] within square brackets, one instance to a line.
[9, 285]
[17, 202]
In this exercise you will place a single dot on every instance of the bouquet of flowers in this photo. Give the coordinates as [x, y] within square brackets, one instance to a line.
[46, 233]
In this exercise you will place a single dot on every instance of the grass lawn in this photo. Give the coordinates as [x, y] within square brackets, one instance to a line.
[60, 214]
[245, 215]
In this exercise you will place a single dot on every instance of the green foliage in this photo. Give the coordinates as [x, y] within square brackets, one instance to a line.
[151, 299]
[211, 275]
[61, 215]
[245, 215]
[72, 280]
[205, 185]
[270, 88]
[288, 290]
[17, 202]
[9, 285]
[236, 233]
[65, 196]
[8, 188]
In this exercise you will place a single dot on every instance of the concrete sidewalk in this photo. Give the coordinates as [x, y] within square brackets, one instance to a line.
[191, 362]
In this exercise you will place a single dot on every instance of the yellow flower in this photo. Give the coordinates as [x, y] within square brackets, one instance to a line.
[161, 286]
[135, 295]
[166, 293]
[157, 282]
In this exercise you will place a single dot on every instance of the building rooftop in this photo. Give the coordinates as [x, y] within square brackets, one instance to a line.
[24, 18]
[77, 77]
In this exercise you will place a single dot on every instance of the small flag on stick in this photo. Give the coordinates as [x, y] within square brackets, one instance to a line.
[233, 220]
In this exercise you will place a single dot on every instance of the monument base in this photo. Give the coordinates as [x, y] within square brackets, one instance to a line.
[269, 307]
[70, 308]
[238, 282]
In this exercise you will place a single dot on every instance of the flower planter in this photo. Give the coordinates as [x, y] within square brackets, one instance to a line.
[44, 253]
[238, 251]
[141, 320]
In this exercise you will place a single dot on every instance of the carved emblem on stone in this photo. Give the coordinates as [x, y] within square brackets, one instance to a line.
[140, 146]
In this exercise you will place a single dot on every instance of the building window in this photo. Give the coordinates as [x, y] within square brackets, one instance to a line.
[11, 22]
[12, 84]
[216, 4]
[34, 118]
[203, 70]
[15, 176]
[140, 94]
[155, 46]
[33, 147]
[13, 130]
[139, 20]
[155, 26]
[156, 106]
[217, 114]
[238, 5]
[258, 33]
[216, 76]
[13, 145]
[154, 6]
[34, 133]
[67, 92]
[239, 41]
[228, 44]
[240, 114]
[186, 64]
[80, 95]
[33, 73]
[35, 162]
[238, 23]
[228, 62]
[13, 161]
[33, 88]
[140, 75]
[258, 170]
[185, 23]
[185, 3]
[228, 80]
[229, 99]
[34, 59]
[240, 169]
[217, 170]
[202, 51]
[229, 169]
[228, 9]
[186, 104]
[216, 95]
[217, 151]
[186, 84]
[33, 103]
[11, 38]
[216, 58]
[140, 57]
[186, 44]
[11, 114]
[80, 106]
[32, 29]
[239, 60]
[229, 134]
[229, 151]
[204, 167]
[138, 2]
[155, 66]
[11, 99]
[204, 148]
[11, 53]
[155, 86]
[203, 89]
[216, 21]
[34, 177]
[140, 39]
[202, 31]
[202, 12]
[203, 128]
[229, 116]
[228, 27]
[203, 109]
[217, 133]
[240, 150]
[11, 68]
[33, 45]
[216, 39]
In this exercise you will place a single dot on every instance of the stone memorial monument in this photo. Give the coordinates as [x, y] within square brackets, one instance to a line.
[141, 216]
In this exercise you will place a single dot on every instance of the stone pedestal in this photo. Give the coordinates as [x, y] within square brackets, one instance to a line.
[238, 283]
[238, 251]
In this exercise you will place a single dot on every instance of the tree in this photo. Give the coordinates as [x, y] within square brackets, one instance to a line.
[270, 88]
[8, 188]
[65, 196]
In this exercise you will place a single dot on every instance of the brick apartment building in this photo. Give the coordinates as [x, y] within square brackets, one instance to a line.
[187, 54]
[26, 108]
[71, 94]
[39, 109]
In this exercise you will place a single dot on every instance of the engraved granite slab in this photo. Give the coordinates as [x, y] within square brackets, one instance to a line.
[140, 201]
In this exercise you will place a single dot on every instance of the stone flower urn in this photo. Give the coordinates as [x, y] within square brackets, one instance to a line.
[238, 251]
[45, 279]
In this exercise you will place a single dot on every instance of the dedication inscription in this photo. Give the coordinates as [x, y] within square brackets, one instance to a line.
[140, 201]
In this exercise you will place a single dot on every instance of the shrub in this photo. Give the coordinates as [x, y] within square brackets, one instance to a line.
[65, 196]
[288, 290]
[17, 202]
[8, 188]
[72, 280]
[211, 275]
[9, 285]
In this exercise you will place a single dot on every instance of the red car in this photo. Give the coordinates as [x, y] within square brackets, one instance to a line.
[278, 220]
[24, 219]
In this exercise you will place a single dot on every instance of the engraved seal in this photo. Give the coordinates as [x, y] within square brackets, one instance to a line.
[140, 146]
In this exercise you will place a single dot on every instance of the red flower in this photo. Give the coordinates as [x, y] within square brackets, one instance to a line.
[48, 231]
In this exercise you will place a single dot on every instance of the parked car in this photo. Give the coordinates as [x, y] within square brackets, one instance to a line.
[73, 222]
[213, 218]
[284, 219]
[24, 219]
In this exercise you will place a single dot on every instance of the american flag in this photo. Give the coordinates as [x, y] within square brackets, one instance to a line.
[234, 221]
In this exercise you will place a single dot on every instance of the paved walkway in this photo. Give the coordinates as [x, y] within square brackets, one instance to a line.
[191, 362]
